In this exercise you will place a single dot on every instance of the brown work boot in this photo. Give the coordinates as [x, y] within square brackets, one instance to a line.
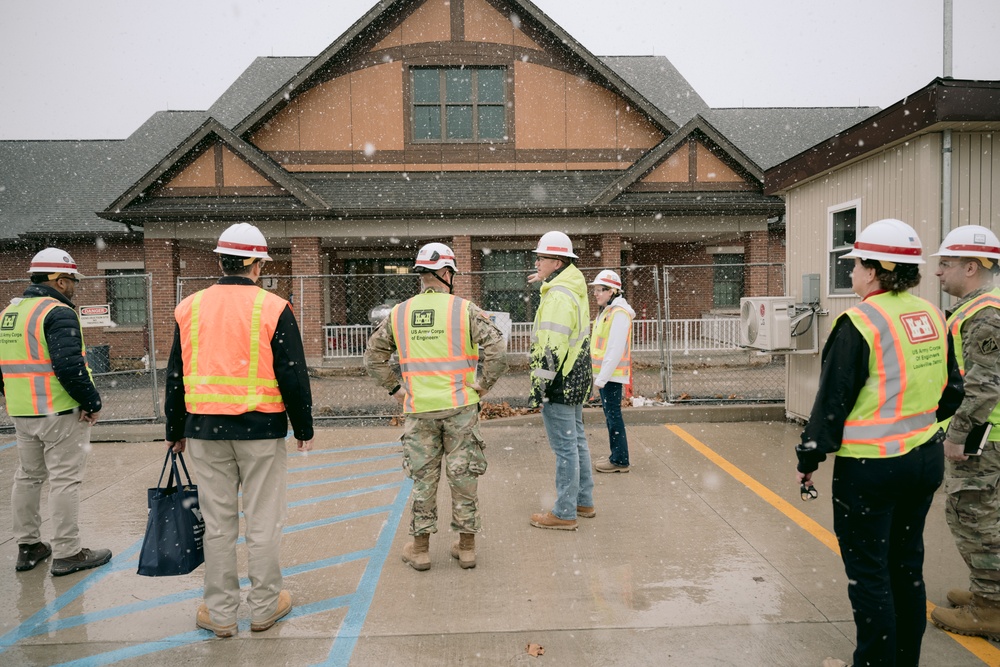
[550, 520]
[586, 512]
[608, 466]
[30, 555]
[417, 552]
[979, 619]
[464, 549]
[204, 621]
[284, 606]
[959, 597]
[834, 662]
[83, 560]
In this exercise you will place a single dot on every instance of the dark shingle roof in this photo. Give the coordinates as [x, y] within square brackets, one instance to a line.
[54, 187]
[658, 81]
[253, 87]
[769, 136]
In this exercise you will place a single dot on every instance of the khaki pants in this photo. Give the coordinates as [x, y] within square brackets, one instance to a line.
[221, 468]
[55, 448]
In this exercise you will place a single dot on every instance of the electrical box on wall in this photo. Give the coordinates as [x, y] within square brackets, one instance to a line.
[810, 288]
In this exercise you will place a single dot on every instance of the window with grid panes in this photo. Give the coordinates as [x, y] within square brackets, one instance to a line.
[459, 104]
[727, 284]
[126, 292]
[504, 284]
[843, 232]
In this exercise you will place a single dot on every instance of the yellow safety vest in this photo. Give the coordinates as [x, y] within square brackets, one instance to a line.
[437, 357]
[989, 299]
[29, 381]
[907, 371]
[599, 343]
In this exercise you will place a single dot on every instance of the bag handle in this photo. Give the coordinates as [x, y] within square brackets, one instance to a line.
[174, 472]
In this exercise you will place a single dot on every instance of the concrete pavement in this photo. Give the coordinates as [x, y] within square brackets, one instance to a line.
[702, 555]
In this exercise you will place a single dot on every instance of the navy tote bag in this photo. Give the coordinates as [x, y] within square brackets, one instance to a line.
[175, 528]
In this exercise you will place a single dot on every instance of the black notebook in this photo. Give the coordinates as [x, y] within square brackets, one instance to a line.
[978, 437]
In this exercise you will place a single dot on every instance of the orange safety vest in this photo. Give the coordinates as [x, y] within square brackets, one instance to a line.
[226, 333]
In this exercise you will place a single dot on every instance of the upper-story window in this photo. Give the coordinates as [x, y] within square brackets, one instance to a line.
[459, 104]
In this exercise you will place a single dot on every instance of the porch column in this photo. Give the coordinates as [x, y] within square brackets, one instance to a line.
[611, 251]
[308, 295]
[467, 285]
[755, 252]
[163, 261]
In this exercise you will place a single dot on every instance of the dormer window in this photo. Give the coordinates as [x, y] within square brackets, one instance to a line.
[459, 104]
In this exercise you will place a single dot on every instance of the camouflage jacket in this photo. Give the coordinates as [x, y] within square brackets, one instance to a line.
[981, 360]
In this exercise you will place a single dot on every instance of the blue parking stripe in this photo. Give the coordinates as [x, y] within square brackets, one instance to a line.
[338, 450]
[8, 445]
[371, 459]
[357, 603]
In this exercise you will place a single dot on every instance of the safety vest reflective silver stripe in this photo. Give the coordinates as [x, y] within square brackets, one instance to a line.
[34, 342]
[544, 374]
[895, 429]
[891, 379]
[427, 366]
[42, 367]
[548, 325]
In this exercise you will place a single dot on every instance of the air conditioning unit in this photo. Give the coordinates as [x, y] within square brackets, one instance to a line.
[765, 322]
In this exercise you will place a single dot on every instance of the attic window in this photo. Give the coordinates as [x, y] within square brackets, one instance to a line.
[452, 104]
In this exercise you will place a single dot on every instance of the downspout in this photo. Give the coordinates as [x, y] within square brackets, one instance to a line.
[946, 139]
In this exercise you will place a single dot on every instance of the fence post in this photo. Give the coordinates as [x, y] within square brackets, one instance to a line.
[152, 344]
[660, 342]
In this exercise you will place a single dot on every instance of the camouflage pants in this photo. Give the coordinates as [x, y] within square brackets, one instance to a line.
[456, 439]
[973, 513]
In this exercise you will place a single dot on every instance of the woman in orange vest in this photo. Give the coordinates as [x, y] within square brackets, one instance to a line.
[889, 376]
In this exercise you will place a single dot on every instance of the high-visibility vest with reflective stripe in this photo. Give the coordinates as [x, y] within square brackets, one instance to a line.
[989, 299]
[437, 357]
[226, 333]
[907, 371]
[599, 343]
[552, 322]
[29, 381]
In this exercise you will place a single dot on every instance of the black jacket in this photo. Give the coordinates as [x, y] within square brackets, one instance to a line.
[65, 339]
[293, 381]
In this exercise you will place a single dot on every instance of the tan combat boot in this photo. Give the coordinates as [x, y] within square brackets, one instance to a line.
[464, 549]
[959, 597]
[980, 619]
[417, 552]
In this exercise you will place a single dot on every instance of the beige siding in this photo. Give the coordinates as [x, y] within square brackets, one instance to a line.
[976, 179]
[900, 182]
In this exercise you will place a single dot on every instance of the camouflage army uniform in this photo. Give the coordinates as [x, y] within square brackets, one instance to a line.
[451, 434]
[973, 505]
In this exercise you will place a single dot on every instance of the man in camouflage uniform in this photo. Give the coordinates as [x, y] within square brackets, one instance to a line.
[966, 269]
[438, 338]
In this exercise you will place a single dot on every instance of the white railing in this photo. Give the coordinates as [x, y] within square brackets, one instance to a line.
[695, 335]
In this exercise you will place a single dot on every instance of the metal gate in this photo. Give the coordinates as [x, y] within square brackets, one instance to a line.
[115, 310]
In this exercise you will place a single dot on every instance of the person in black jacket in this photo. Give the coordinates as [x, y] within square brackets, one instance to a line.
[53, 402]
[236, 375]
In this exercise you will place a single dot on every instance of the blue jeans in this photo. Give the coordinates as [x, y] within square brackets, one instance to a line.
[574, 479]
[611, 401]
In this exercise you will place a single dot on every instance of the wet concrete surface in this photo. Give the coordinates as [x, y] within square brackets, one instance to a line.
[702, 555]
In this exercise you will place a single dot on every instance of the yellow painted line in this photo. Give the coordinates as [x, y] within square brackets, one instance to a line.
[977, 646]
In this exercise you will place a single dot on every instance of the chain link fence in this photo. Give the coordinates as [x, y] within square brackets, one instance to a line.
[115, 310]
[685, 333]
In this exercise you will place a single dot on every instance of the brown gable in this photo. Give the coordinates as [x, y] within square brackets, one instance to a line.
[217, 171]
[357, 109]
[694, 165]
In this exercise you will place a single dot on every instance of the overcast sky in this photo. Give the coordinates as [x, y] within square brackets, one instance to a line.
[97, 69]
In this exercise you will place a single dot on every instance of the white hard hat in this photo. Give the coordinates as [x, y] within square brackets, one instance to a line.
[242, 240]
[608, 278]
[970, 241]
[434, 256]
[556, 244]
[888, 240]
[53, 261]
